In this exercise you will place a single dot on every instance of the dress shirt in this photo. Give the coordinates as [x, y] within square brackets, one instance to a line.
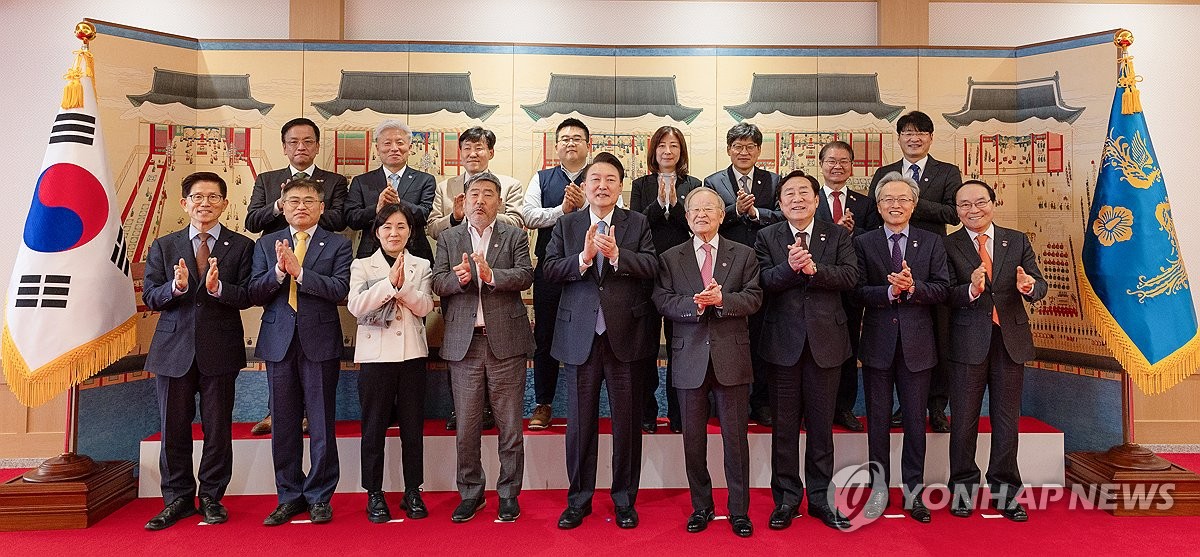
[479, 244]
[280, 274]
[585, 265]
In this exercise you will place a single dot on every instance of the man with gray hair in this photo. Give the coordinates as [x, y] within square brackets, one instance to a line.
[750, 204]
[392, 182]
[902, 276]
[482, 265]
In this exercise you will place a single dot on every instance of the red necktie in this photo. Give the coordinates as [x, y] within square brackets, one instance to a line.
[706, 268]
[837, 206]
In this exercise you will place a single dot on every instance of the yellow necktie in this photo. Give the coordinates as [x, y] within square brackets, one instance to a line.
[301, 249]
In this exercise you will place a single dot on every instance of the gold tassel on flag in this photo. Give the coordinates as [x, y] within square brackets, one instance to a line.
[85, 66]
[1131, 98]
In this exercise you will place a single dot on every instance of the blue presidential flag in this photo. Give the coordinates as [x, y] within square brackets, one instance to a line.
[70, 305]
[1136, 290]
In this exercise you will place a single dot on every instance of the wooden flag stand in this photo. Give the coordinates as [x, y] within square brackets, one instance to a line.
[67, 491]
[1145, 484]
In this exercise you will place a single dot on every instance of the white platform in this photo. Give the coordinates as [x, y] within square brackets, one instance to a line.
[1040, 459]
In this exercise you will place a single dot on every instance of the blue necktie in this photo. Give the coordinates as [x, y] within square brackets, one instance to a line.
[601, 228]
[916, 172]
[897, 258]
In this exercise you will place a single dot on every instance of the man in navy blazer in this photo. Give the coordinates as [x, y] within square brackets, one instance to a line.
[196, 279]
[301, 144]
[605, 260]
[993, 273]
[902, 276]
[749, 195]
[807, 264]
[392, 182]
[841, 205]
[300, 274]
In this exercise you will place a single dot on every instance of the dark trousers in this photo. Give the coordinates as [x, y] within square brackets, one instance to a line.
[650, 412]
[387, 389]
[477, 373]
[176, 411]
[760, 391]
[300, 386]
[809, 391]
[913, 387]
[733, 408]
[583, 415]
[545, 312]
[847, 391]
[1003, 378]
[939, 378]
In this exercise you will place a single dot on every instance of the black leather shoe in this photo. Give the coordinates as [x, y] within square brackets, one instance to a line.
[699, 520]
[898, 419]
[489, 419]
[572, 517]
[452, 422]
[741, 525]
[960, 507]
[181, 507]
[919, 512]
[1015, 512]
[650, 426]
[675, 426]
[412, 504]
[627, 517]
[284, 513]
[762, 416]
[214, 512]
[320, 513]
[938, 422]
[509, 509]
[466, 509]
[377, 509]
[848, 420]
[830, 517]
[782, 517]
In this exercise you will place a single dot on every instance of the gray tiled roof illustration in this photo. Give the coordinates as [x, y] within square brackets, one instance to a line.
[1013, 101]
[405, 93]
[607, 96]
[814, 94]
[200, 91]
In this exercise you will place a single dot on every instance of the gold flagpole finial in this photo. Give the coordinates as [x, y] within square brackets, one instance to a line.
[1131, 98]
[84, 67]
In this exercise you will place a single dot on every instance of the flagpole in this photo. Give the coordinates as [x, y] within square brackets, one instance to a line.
[70, 465]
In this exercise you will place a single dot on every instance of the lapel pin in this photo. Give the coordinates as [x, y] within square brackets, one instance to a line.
[321, 243]
[822, 239]
[225, 243]
[914, 243]
[1003, 243]
[724, 264]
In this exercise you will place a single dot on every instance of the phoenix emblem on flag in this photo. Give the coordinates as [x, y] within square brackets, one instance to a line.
[1173, 277]
[1132, 158]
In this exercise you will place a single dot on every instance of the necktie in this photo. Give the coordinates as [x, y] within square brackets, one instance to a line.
[897, 257]
[915, 170]
[837, 206]
[601, 228]
[393, 180]
[987, 266]
[706, 268]
[202, 255]
[745, 183]
[301, 249]
[299, 175]
[802, 239]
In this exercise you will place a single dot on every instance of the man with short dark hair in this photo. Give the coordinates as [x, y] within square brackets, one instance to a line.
[476, 148]
[197, 347]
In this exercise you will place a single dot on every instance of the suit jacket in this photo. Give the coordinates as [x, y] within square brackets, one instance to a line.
[971, 321]
[326, 281]
[935, 208]
[196, 326]
[858, 204]
[504, 313]
[800, 308]
[741, 228]
[416, 192]
[719, 335]
[909, 319]
[441, 216]
[370, 289]
[624, 292]
[260, 214]
[667, 228]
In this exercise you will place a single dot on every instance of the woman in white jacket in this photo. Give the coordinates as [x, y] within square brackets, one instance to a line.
[390, 294]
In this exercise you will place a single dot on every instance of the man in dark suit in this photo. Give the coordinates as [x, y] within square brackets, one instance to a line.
[806, 265]
[300, 274]
[938, 181]
[301, 144]
[552, 193]
[841, 205]
[197, 347]
[708, 287]
[392, 182]
[603, 257]
[993, 273]
[902, 276]
[749, 195]
[481, 268]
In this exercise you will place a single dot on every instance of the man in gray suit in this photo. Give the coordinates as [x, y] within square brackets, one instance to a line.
[993, 273]
[604, 258]
[480, 269]
[708, 287]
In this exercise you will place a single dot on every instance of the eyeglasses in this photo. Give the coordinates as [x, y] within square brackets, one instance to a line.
[308, 202]
[572, 140]
[909, 133]
[896, 201]
[838, 162]
[198, 198]
[743, 148]
[293, 143]
[705, 210]
[967, 205]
